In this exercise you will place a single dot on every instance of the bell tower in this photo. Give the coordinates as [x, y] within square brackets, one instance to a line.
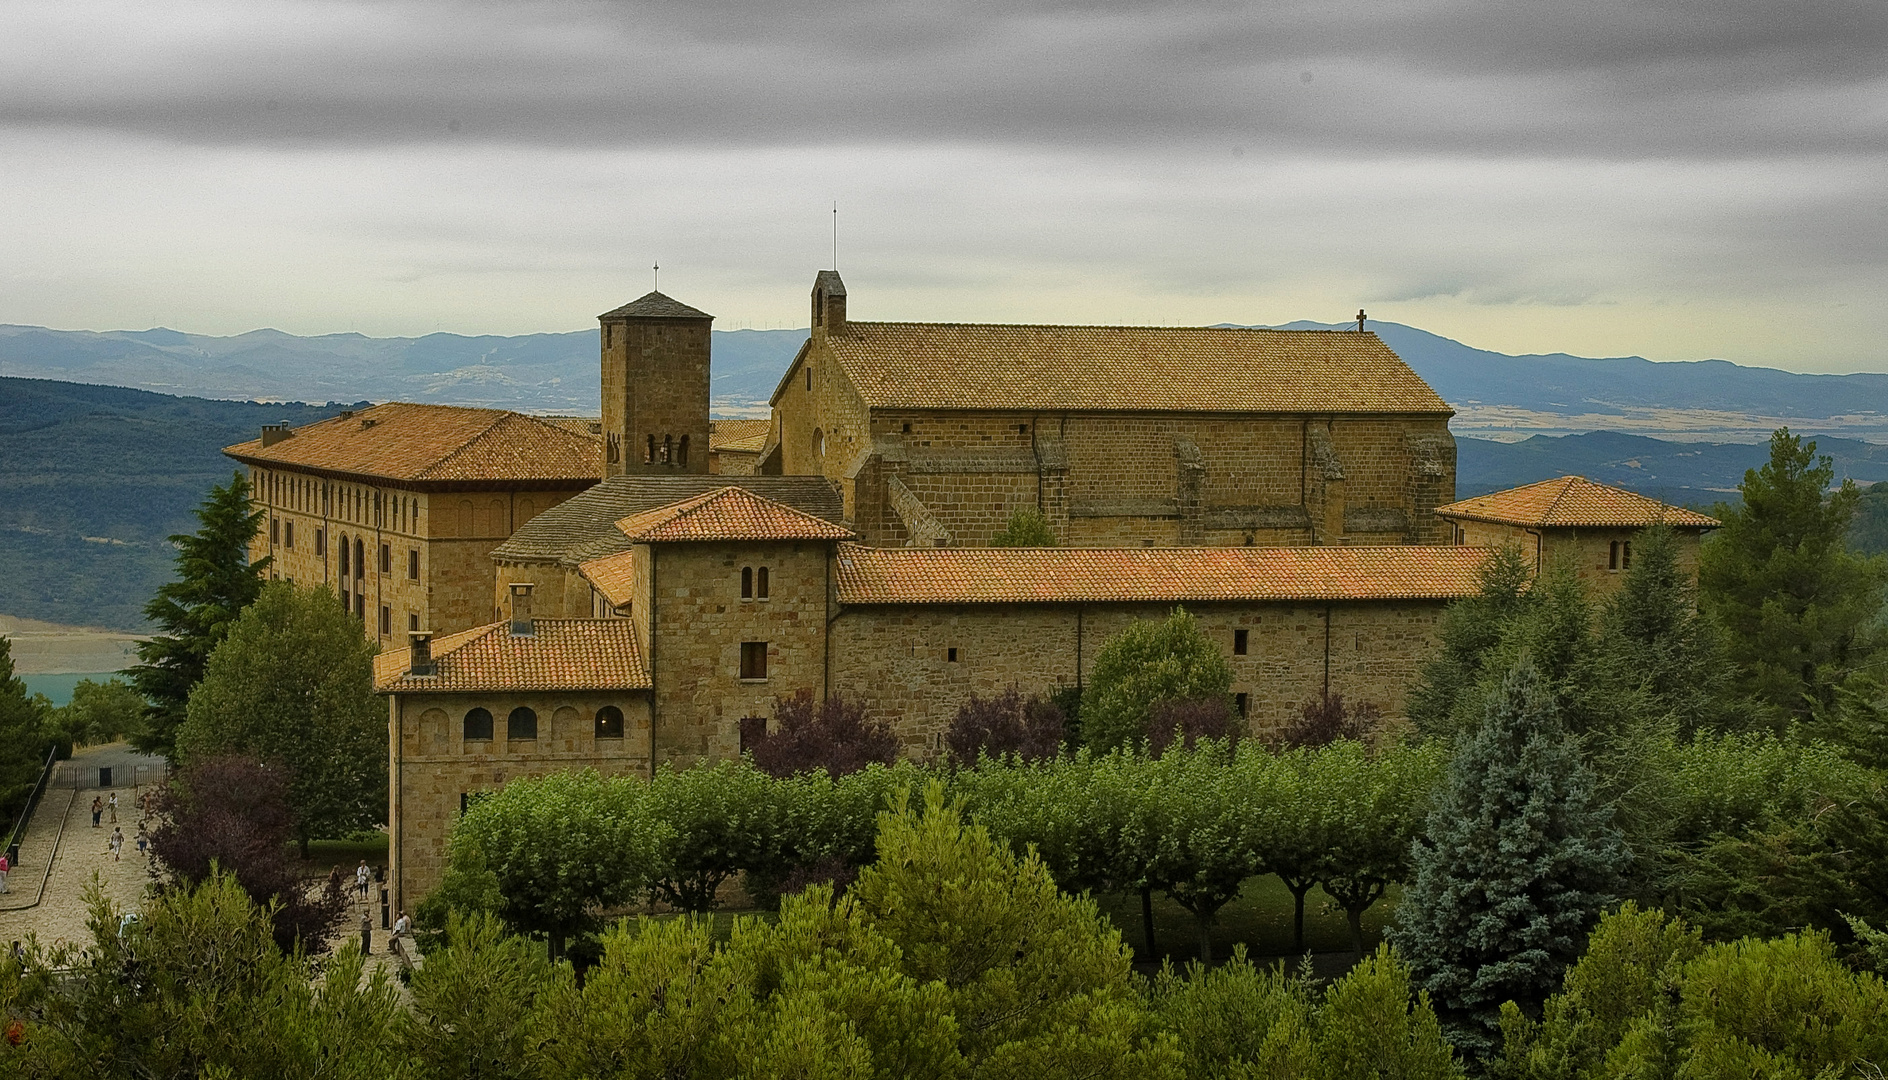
[655, 388]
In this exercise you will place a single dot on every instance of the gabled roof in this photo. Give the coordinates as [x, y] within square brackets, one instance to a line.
[413, 443]
[654, 305]
[728, 513]
[613, 576]
[869, 575]
[1126, 369]
[560, 654]
[1574, 502]
[583, 527]
[738, 436]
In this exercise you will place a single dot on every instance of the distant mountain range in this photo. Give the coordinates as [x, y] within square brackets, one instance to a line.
[1496, 395]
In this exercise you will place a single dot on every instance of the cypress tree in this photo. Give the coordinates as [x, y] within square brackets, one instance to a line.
[215, 581]
[1517, 864]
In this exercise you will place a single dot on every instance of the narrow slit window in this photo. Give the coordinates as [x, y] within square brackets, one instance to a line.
[950, 655]
[760, 584]
[649, 452]
[1612, 556]
[682, 452]
[747, 583]
[1239, 642]
[1241, 702]
[1625, 555]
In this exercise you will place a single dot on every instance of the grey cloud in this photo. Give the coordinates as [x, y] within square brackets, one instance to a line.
[1603, 78]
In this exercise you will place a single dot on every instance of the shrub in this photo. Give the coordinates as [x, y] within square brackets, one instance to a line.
[1325, 719]
[232, 812]
[1007, 725]
[1026, 527]
[834, 735]
[1149, 662]
[1189, 721]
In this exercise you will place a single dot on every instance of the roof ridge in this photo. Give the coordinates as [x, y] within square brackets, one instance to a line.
[465, 443]
[1566, 485]
[1099, 326]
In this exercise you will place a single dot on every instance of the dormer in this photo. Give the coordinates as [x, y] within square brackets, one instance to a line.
[829, 302]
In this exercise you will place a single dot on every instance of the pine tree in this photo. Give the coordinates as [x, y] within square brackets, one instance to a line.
[1517, 864]
[1655, 648]
[1471, 629]
[1798, 607]
[215, 581]
[23, 736]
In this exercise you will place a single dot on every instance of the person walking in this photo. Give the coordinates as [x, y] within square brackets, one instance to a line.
[360, 879]
[116, 843]
[144, 840]
[98, 810]
[4, 867]
[113, 807]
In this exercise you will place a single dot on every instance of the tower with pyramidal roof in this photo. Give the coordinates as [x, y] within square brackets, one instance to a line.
[655, 388]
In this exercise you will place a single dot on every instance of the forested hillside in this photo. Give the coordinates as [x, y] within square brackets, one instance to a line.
[92, 481]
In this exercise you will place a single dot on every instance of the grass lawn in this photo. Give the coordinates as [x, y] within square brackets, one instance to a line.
[1260, 919]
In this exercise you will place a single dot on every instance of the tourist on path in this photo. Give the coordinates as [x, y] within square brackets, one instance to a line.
[113, 806]
[98, 810]
[360, 879]
[367, 935]
[144, 840]
[116, 843]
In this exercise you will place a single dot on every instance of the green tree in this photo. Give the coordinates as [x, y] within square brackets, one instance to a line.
[1026, 527]
[194, 986]
[473, 1001]
[1370, 1027]
[24, 739]
[1447, 696]
[1655, 647]
[718, 820]
[1038, 980]
[215, 582]
[98, 713]
[1236, 1021]
[552, 850]
[1205, 818]
[1516, 866]
[292, 683]
[1146, 664]
[1798, 607]
[1373, 808]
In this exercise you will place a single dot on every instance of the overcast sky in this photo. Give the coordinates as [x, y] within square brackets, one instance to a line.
[1673, 178]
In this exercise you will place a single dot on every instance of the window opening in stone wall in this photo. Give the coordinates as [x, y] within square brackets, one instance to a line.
[412, 621]
[760, 584]
[344, 562]
[752, 730]
[906, 429]
[668, 449]
[360, 608]
[809, 377]
[288, 534]
[1239, 641]
[753, 660]
[413, 564]
[386, 621]
[613, 448]
[682, 456]
[1022, 429]
[950, 655]
[1612, 556]
[649, 452]
[521, 724]
[747, 583]
[819, 443]
[478, 724]
[1625, 555]
[360, 558]
[275, 531]
[1241, 702]
[609, 722]
[321, 542]
[386, 559]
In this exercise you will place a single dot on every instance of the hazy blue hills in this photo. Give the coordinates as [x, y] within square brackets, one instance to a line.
[1494, 393]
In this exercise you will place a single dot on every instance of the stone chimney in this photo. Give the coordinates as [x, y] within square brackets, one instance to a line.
[421, 664]
[829, 302]
[274, 433]
[521, 625]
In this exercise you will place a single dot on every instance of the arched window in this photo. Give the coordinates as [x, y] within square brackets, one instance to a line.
[609, 722]
[344, 562]
[478, 724]
[819, 443]
[649, 454]
[760, 584]
[682, 454]
[521, 724]
[747, 583]
[668, 449]
[360, 558]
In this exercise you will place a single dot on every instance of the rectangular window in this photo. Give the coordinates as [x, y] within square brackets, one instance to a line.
[275, 531]
[386, 559]
[809, 377]
[288, 534]
[1612, 556]
[386, 621]
[1239, 640]
[1625, 555]
[412, 620]
[753, 660]
[413, 564]
[360, 607]
[747, 583]
[321, 541]
[950, 655]
[1240, 702]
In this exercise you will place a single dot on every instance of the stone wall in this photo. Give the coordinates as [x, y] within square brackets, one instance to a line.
[1590, 550]
[900, 662]
[432, 765]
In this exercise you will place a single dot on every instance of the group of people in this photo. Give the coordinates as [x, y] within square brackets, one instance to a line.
[115, 843]
[363, 877]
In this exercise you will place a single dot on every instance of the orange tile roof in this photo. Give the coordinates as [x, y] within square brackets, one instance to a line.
[1126, 368]
[1155, 575]
[562, 654]
[728, 513]
[409, 442]
[612, 575]
[1574, 502]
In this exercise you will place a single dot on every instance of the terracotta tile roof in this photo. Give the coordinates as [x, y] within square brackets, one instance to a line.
[1126, 368]
[738, 436]
[1155, 575]
[404, 441]
[727, 513]
[1573, 502]
[562, 654]
[584, 526]
[654, 305]
[613, 575]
